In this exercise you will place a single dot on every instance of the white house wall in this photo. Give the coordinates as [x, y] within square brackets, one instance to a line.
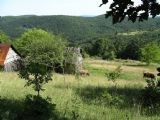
[10, 63]
[11, 56]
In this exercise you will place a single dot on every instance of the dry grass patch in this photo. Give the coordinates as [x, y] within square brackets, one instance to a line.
[127, 66]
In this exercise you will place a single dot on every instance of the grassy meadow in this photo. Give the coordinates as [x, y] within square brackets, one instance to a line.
[89, 97]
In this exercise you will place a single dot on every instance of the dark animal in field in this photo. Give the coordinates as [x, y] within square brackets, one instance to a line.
[84, 72]
[149, 75]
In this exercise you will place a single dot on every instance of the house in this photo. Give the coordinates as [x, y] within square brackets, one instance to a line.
[9, 58]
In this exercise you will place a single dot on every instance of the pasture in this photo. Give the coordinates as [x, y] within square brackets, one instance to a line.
[89, 97]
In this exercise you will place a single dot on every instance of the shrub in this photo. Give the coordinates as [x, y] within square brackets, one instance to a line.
[109, 55]
[151, 95]
[113, 100]
[113, 75]
[38, 108]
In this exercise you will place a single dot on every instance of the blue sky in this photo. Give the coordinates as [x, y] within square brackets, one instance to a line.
[51, 7]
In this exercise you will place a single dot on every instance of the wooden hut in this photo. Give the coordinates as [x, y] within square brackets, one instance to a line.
[9, 58]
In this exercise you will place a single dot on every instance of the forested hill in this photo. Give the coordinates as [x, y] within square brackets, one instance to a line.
[71, 27]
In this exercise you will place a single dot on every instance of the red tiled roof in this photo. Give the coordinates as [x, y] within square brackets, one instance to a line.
[4, 48]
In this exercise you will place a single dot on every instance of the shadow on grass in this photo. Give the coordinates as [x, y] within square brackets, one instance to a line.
[121, 98]
[32, 108]
[62, 86]
[112, 96]
[10, 109]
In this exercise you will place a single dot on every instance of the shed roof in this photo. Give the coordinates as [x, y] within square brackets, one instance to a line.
[4, 48]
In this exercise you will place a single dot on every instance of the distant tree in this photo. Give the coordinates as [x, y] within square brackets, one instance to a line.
[99, 47]
[103, 48]
[150, 53]
[131, 51]
[41, 51]
[119, 9]
[109, 55]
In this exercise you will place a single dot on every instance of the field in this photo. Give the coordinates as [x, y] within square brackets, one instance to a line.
[89, 97]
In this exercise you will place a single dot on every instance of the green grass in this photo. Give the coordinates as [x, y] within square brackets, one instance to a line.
[92, 97]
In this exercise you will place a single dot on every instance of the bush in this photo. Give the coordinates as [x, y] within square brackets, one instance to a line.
[38, 108]
[113, 100]
[150, 53]
[151, 96]
[151, 100]
[113, 75]
[109, 55]
[85, 55]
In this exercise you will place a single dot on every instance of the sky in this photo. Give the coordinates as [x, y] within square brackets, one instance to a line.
[52, 7]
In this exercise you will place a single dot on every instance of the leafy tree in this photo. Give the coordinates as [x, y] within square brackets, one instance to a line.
[4, 38]
[132, 50]
[150, 53]
[41, 51]
[101, 46]
[119, 9]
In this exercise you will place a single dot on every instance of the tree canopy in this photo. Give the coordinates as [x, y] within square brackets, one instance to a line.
[119, 9]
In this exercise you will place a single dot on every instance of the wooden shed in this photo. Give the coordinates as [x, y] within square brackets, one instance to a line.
[9, 58]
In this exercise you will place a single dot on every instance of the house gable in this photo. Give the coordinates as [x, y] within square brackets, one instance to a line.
[11, 56]
[10, 59]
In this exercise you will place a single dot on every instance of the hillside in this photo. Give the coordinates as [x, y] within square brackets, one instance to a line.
[71, 27]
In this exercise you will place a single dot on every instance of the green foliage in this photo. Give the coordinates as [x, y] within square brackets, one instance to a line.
[131, 51]
[85, 55]
[109, 55]
[99, 47]
[103, 48]
[33, 37]
[151, 99]
[150, 53]
[151, 95]
[113, 75]
[113, 100]
[41, 52]
[4, 38]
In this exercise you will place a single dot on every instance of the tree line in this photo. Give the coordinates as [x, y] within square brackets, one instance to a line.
[125, 46]
[119, 46]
